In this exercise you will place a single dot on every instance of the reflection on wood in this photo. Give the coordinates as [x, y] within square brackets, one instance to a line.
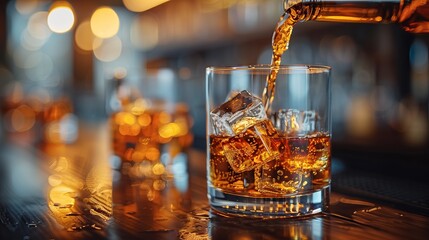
[74, 197]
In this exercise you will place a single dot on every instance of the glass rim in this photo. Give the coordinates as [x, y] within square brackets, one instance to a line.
[311, 68]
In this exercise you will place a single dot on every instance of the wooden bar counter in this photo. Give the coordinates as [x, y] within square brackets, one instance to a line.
[79, 191]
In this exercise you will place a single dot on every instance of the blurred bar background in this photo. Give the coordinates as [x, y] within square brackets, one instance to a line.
[62, 62]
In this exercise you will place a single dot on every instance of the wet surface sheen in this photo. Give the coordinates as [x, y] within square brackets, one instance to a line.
[71, 193]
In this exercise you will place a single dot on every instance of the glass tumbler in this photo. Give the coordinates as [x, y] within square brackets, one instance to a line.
[268, 160]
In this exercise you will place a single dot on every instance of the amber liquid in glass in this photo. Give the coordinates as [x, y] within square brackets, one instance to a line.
[303, 164]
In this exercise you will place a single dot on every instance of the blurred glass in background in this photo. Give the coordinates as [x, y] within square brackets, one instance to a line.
[147, 130]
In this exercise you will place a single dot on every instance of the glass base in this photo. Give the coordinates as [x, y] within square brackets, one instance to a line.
[284, 207]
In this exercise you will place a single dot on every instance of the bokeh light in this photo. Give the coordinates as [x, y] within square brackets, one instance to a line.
[61, 164]
[152, 153]
[138, 107]
[55, 180]
[164, 118]
[38, 99]
[26, 6]
[22, 118]
[29, 42]
[144, 32]
[158, 169]
[169, 130]
[83, 37]
[61, 17]
[144, 120]
[61, 196]
[104, 22]
[39, 66]
[37, 25]
[140, 6]
[109, 49]
[158, 184]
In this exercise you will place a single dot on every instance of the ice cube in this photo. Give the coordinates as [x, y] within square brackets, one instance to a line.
[248, 131]
[284, 174]
[308, 123]
[319, 153]
[221, 173]
[295, 122]
[237, 114]
[277, 178]
[252, 148]
[286, 120]
[302, 162]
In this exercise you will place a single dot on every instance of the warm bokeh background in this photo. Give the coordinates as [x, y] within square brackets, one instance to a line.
[59, 61]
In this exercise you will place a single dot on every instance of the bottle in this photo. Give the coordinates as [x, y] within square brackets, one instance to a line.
[412, 15]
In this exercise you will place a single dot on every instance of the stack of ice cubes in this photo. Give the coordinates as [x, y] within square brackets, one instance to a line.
[244, 120]
[252, 140]
[293, 122]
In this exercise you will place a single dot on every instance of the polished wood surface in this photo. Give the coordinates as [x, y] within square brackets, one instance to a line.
[78, 191]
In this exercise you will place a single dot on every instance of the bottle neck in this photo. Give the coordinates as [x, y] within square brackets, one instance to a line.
[302, 10]
[359, 11]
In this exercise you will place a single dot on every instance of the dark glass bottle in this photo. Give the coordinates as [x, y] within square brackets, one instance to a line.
[412, 15]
